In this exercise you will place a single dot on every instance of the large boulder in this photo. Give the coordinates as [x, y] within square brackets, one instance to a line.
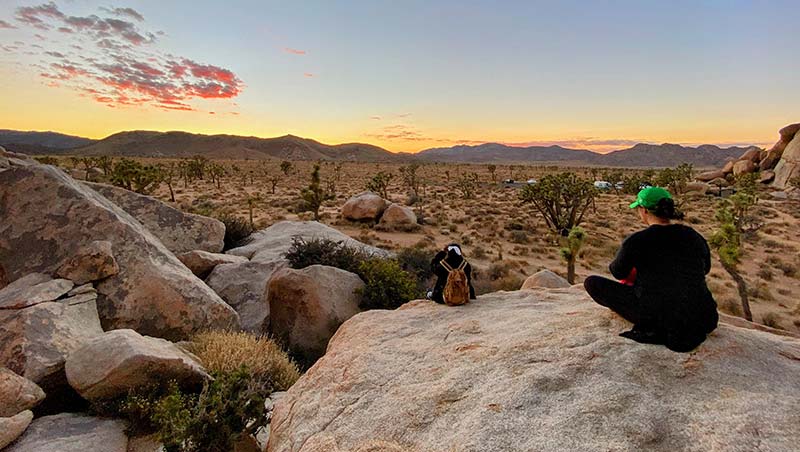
[696, 187]
[537, 370]
[17, 394]
[178, 231]
[744, 167]
[789, 166]
[397, 216]
[366, 206]
[35, 341]
[12, 427]
[46, 217]
[752, 153]
[92, 262]
[544, 279]
[69, 432]
[33, 289]
[118, 361]
[710, 175]
[244, 287]
[272, 243]
[202, 262]
[308, 305]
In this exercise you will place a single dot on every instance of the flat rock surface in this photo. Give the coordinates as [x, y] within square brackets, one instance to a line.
[31, 290]
[270, 244]
[12, 427]
[69, 432]
[541, 370]
[46, 217]
[202, 262]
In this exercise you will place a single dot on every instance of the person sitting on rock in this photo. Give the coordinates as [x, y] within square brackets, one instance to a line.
[663, 269]
[451, 268]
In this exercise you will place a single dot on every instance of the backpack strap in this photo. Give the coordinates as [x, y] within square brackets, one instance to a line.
[463, 264]
[446, 265]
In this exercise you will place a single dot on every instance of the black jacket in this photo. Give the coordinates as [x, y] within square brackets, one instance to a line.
[454, 260]
[671, 263]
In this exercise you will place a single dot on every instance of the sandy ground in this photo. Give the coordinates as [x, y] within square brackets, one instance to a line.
[503, 238]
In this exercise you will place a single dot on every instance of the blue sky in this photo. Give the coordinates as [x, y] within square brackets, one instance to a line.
[410, 75]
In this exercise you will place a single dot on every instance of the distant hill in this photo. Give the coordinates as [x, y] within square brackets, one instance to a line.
[640, 155]
[40, 142]
[182, 144]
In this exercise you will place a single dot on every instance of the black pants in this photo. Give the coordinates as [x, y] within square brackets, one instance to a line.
[618, 297]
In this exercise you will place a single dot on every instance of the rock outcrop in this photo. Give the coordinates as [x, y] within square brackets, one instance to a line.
[130, 361]
[202, 262]
[307, 306]
[788, 167]
[69, 432]
[366, 206]
[179, 231]
[17, 394]
[46, 217]
[544, 279]
[537, 370]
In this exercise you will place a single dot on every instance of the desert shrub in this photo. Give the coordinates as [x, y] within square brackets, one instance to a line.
[772, 320]
[47, 160]
[416, 261]
[228, 408]
[387, 286]
[225, 352]
[304, 253]
[518, 237]
[765, 273]
[237, 230]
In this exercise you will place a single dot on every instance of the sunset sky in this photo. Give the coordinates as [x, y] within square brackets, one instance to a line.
[406, 75]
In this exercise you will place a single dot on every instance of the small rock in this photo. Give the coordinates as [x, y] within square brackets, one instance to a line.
[17, 393]
[720, 182]
[201, 263]
[69, 432]
[398, 216]
[12, 427]
[110, 365]
[767, 177]
[697, 186]
[92, 262]
[710, 175]
[545, 279]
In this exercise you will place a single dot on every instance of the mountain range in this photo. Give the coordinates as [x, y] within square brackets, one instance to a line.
[290, 147]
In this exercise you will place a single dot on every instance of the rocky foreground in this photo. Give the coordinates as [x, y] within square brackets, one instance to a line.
[537, 370]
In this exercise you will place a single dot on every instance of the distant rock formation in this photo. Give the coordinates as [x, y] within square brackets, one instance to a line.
[537, 370]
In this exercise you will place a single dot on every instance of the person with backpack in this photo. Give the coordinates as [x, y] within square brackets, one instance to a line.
[453, 277]
[662, 269]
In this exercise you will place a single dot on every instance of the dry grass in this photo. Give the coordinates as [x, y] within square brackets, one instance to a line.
[228, 351]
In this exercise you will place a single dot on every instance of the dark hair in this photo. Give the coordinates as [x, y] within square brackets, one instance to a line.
[666, 209]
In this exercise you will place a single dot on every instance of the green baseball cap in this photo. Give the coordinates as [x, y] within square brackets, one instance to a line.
[649, 197]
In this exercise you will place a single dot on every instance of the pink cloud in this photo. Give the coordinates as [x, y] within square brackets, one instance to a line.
[6, 25]
[294, 51]
[308, 74]
[119, 66]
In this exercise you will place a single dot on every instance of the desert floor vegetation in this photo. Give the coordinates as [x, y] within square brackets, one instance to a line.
[505, 238]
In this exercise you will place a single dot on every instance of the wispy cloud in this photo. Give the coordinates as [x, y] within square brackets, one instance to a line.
[294, 51]
[6, 25]
[308, 74]
[118, 63]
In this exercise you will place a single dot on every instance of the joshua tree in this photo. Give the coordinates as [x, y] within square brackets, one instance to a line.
[105, 163]
[380, 183]
[314, 195]
[728, 243]
[273, 181]
[572, 247]
[286, 167]
[88, 163]
[252, 200]
[562, 199]
[216, 172]
[410, 178]
[492, 170]
[675, 179]
[167, 174]
[337, 171]
[466, 184]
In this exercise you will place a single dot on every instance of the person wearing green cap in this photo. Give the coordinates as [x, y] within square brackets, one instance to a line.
[663, 268]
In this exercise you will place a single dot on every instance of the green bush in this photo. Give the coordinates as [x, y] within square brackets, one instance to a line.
[228, 408]
[304, 253]
[237, 230]
[387, 286]
[417, 262]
